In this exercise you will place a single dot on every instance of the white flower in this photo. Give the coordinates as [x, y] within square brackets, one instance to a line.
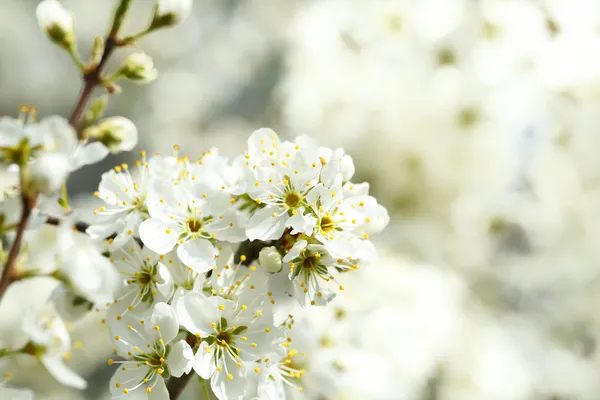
[146, 279]
[171, 12]
[284, 174]
[50, 342]
[139, 68]
[278, 370]
[309, 268]
[335, 162]
[82, 267]
[116, 133]
[125, 197]
[344, 225]
[190, 218]
[10, 213]
[11, 393]
[69, 305]
[233, 335]
[15, 394]
[185, 279]
[152, 353]
[270, 259]
[57, 22]
[60, 137]
[49, 172]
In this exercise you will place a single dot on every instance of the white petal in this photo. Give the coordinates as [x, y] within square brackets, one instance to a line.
[302, 223]
[204, 362]
[62, 373]
[295, 250]
[180, 358]
[164, 316]
[198, 254]
[263, 226]
[197, 313]
[16, 394]
[159, 391]
[89, 154]
[153, 233]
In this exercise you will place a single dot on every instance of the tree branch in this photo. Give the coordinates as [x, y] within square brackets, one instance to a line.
[176, 386]
[8, 273]
[93, 77]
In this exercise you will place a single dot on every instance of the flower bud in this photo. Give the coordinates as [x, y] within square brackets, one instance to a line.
[116, 133]
[57, 22]
[49, 172]
[139, 67]
[270, 259]
[170, 12]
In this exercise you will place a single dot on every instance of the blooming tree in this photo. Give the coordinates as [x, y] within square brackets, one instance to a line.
[194, 261]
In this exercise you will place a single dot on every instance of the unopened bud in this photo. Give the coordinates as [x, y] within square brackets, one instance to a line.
[97, 51]
[57, 22]
[49, 172]
[116, 133]
[170, 12]
[270, 259]
[139, 67]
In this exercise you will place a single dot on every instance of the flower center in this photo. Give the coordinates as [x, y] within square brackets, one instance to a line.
[224, 336]
[194, 225]
[327, 223]
[144, 278]
[292, 199]
[310, 262]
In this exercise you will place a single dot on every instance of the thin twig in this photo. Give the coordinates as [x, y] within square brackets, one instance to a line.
[91, 79]
[8, 273]
[176, 386]
[78, 226]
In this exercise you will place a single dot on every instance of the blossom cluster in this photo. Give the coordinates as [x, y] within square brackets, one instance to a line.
[195, 264]
[177, 226]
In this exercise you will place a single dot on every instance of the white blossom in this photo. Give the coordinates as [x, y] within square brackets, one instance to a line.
[146, 279]
[232, 336]
[152, 353]
[49, 172]
[125, 196]
[171, 12]
[270, 259]
[57, 22]
[191, 219]
[50, 342]
[139, 67]
[116, 133]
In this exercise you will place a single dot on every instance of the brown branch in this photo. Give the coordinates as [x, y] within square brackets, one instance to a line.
[78, 226]
[8, 273]
[176, 386]
[91, 79]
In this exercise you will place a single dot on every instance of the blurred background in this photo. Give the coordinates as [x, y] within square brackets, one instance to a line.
[477, 124]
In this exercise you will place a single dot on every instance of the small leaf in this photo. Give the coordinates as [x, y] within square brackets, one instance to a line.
[239, 330]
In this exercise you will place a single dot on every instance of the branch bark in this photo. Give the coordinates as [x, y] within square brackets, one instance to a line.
[8, 273]
[176, 386]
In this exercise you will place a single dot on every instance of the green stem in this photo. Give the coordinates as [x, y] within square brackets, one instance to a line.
[64, 197]
[8, 353]
[206, 395]
[120, 13]
[76, 58]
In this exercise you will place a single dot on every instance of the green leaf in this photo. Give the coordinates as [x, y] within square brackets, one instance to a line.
[239, 330]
